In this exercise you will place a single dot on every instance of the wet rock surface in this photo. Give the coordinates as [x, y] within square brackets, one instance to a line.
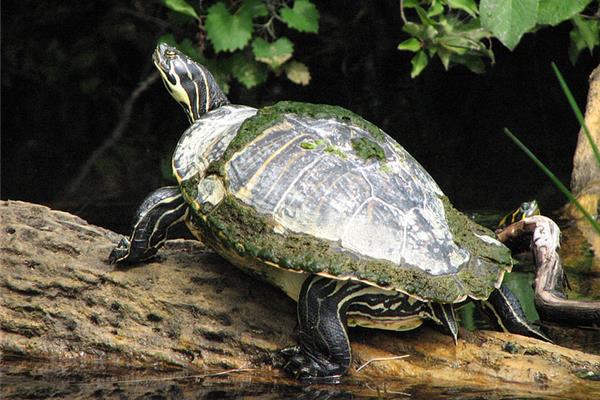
[68, 316]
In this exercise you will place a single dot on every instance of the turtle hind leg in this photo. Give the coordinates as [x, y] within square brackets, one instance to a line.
[504, 308]
[443, 314]
[162, 209]
[324, 352]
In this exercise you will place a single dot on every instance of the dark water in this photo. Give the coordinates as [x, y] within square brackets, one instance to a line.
[35, 381]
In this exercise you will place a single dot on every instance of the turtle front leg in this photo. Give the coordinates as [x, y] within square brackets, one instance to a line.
[324, 353]
[162, 209]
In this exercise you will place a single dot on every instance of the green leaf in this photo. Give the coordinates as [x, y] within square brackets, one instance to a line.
[254, 8]
[588, 29]
[468, 6]
[456, 44]
[473, 62]
[274, 54]
[303, 16]
[411, 44]
[181, 6]
[413, 29]
[508, 20]
[553, 12]
[584, 34]
[248, 72]
[188, 47]
[297, 72]
[436, 9]
[226, 31]
[418, 62]
[411, 3]
[576, 45]
[425, 20]
[445, 57]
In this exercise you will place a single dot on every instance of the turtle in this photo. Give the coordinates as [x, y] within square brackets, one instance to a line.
[526, 209]
[520, 246]
[326, 206]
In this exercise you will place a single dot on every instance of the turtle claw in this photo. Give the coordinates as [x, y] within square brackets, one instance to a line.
[119, 253]
[308, 368]
[128, 252]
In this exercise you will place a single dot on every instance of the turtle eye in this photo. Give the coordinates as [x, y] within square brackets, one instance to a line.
[170, 54]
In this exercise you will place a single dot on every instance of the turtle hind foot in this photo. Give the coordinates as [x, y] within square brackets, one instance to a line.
[310, 369]
[506, 311]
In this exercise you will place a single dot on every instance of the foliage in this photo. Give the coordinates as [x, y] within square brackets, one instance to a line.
[546, 170]
[251, 32]
[245, 38]
[460, 31]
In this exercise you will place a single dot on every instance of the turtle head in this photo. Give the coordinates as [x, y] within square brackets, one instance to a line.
[190, 83]
[529, 208]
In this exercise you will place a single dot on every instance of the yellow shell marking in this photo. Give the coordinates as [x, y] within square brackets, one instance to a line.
[245, 191]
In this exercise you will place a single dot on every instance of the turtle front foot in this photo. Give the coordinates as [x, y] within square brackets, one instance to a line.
[162, 209]
[125, 253]
[308, 368]
[119, 253]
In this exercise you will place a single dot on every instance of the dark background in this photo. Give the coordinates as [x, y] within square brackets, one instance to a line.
[68, 69]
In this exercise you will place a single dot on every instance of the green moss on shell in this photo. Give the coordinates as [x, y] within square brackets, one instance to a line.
[189, 189]
[464, 230]
[311, 145]
[243, 232]
[327, 147]
[308, 145]
[385, 168]
[366, 149]
[269, 116]
[331, 149]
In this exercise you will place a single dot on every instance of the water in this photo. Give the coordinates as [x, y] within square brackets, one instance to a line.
[37, 380]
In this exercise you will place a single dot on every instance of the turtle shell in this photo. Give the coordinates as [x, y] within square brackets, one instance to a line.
[317, 189]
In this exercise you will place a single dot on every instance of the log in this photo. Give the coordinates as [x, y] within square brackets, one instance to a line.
[585, 177]
[550, 299]
[585, 185]
[191, 312]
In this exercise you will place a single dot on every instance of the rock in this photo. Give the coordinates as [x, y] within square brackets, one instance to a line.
[190, 310]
